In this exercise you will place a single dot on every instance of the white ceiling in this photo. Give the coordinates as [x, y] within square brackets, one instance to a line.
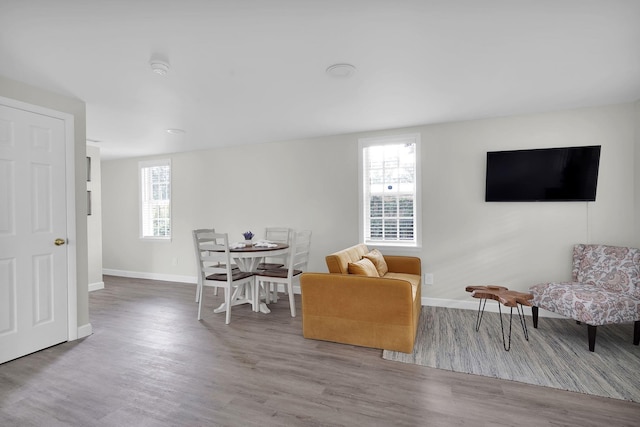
[253, 71]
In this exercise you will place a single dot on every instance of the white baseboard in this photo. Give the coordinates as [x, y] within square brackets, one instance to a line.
[85, 330]
[434, 302]
[168, 278]
[491, 307]
[283, 287]
[151, 276]
[96, 286]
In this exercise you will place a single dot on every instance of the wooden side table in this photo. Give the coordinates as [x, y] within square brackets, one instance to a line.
[504, 297]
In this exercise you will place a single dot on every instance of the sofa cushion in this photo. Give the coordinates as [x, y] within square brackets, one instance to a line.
[375, 256]
[364, 267]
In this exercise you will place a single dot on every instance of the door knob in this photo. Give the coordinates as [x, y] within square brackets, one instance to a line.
[59, 241]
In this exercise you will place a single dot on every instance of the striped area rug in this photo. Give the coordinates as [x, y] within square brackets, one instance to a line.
[556, 355]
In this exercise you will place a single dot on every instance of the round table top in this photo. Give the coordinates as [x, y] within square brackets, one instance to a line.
[278, 247]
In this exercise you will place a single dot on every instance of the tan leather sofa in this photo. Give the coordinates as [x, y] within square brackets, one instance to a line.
[379, 312]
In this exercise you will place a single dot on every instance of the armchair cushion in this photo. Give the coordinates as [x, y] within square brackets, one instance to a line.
[588, 303]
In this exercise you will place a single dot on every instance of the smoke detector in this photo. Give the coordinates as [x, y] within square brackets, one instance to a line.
[342, 71]
[159, 67]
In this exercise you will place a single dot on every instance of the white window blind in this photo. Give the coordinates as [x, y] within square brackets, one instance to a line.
[155, 199]
[389, 183]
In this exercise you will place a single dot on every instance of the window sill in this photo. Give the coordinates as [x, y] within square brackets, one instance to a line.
[156, 239]
[394, 246]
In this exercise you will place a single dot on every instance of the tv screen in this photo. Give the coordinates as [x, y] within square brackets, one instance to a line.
[548, 174]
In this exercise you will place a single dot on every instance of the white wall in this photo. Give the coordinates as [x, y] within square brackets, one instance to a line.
[313, 184]
[636, 179]
[469, 241]
[306, 184]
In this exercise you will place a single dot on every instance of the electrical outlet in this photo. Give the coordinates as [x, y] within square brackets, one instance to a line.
[428, 278]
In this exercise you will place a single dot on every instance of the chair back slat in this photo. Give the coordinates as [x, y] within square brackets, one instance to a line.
[278, 234]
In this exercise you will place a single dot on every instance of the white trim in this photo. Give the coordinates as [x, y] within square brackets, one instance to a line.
[69, 130]
[151, 276]
[282, 287]
[397, 250]
[96, 286]
[85, 330]
[473, 305]
[72, 292]
[432, 302]
[192, 280]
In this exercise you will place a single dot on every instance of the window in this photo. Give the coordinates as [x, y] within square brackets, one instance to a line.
[155, 199]
[389, 190]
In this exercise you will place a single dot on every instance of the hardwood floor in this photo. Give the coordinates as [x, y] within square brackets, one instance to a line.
[149, 362]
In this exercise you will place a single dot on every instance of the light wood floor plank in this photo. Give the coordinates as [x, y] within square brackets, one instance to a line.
[151, 363]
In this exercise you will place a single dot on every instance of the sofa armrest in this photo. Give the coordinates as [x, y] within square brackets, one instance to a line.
[368, 299]
[376, 312]
[404, 264]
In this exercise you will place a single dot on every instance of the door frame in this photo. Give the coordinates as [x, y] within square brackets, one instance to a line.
[70, 189]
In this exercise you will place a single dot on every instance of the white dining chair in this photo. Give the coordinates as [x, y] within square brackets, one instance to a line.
[215, 269]
[276, 235]
[296, 265]
[199, 284]
[204, 233]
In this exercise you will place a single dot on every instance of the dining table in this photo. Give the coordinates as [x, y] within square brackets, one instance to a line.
[247, 257]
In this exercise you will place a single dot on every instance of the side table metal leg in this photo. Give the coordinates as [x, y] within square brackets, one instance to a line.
[523, 321]
[504, 344]
[480, 313]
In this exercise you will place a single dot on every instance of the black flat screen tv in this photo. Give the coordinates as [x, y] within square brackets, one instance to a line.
[545, 175]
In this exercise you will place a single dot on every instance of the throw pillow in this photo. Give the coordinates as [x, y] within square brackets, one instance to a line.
[364, 267]
[375, 256]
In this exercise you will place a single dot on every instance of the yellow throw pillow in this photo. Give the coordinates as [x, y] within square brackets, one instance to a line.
[364, 267]
[375, 256]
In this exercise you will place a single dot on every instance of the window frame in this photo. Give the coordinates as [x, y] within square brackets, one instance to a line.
[363, 193]
[145, 164]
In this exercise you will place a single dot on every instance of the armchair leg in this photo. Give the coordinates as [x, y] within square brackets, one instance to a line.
[636, 332]
[591, 331]
[534, 313]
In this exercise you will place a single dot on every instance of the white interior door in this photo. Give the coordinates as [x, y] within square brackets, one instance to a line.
[33, 233]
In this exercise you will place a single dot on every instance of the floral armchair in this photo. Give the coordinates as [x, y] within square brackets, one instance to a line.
[605, 289]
